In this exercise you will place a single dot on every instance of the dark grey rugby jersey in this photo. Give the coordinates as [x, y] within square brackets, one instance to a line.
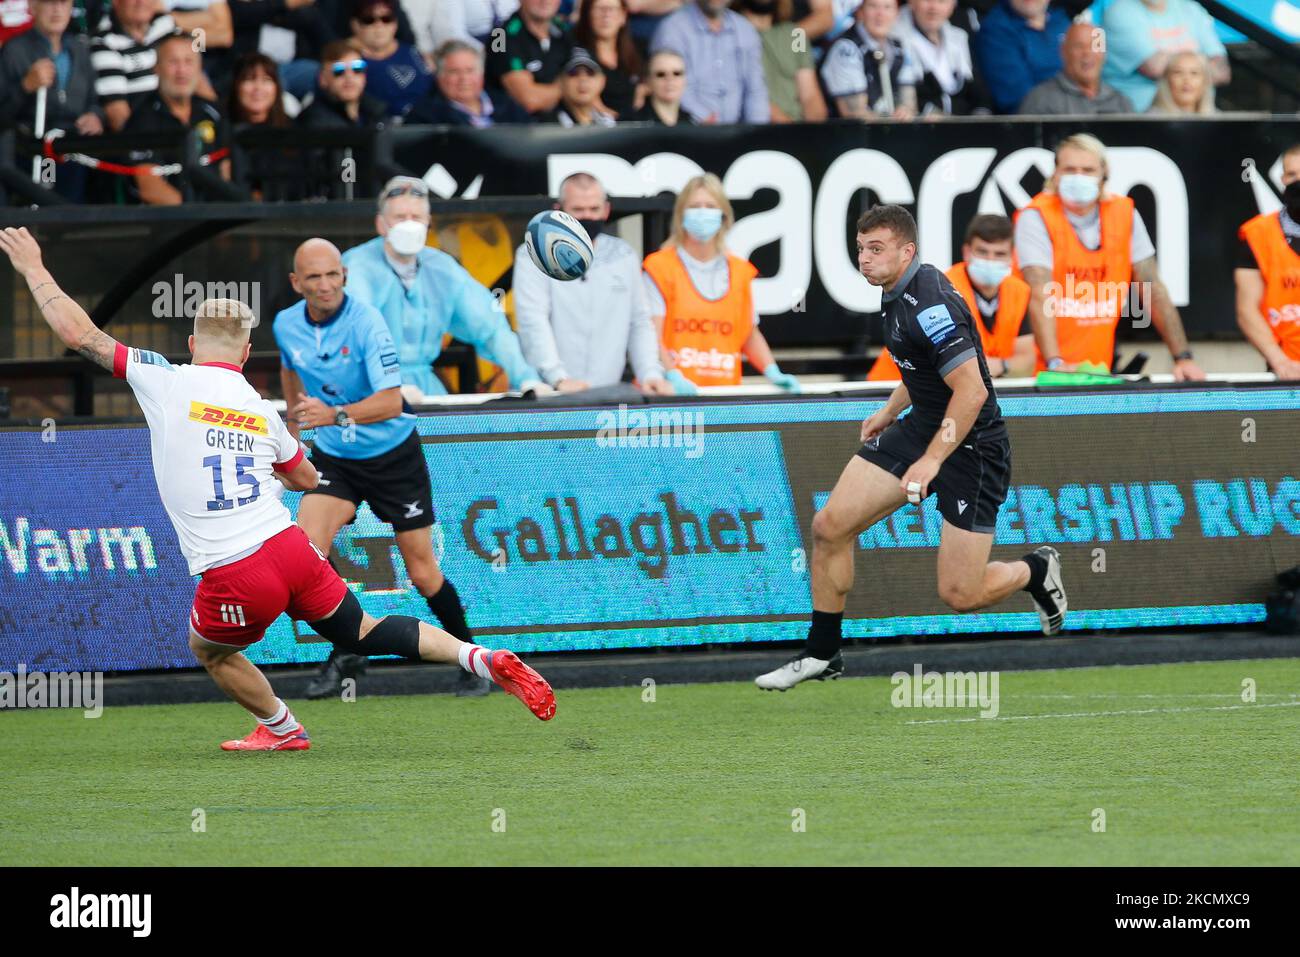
[929, 331]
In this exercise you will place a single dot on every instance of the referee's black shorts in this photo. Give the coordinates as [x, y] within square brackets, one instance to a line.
[972, 482]
[395, 484]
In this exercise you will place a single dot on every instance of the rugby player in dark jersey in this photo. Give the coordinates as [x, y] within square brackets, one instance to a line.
[953, 444]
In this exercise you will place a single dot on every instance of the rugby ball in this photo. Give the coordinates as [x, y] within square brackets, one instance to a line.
[558, 245]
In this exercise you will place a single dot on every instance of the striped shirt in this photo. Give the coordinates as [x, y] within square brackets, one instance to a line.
[125, 66]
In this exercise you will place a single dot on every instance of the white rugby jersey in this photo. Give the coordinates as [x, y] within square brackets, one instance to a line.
[215, 445]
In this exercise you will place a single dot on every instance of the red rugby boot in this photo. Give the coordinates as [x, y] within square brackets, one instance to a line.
[523, 682]
[261, 739]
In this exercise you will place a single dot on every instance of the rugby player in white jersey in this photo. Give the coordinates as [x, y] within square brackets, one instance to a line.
[218, 450]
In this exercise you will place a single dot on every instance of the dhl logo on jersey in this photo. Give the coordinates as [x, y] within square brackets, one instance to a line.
[227, 418]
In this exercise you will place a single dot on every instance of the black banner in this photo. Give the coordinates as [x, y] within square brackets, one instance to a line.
[798, 190]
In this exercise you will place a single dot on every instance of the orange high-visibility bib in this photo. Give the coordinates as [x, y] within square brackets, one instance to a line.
[999, 342]
[1280, 268]
[1090, 287]
[703, 336]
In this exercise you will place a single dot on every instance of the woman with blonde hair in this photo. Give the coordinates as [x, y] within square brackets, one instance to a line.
[1185, 87]
[701, 297]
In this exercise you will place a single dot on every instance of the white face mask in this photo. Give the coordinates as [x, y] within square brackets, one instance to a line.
[988, 272]
[1079, 188]
[407, 237]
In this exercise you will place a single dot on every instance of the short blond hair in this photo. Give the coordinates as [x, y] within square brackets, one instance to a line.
[710, 183]
[1088, 144]
[225, 324]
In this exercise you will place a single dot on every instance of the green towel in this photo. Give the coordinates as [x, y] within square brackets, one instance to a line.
[1088, 373]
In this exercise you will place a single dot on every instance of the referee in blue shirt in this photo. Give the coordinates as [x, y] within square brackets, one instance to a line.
[341, 377]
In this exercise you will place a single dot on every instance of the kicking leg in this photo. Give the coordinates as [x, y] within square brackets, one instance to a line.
[864, 494]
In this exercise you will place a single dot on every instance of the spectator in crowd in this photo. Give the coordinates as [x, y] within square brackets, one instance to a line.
[702, 298]
[1185, 87]
[459, 98]
[1267, 277]
[124, 56]
[50, 57]
[257, 101]
[343, 101]
[949, 84]
[724, 62]
[15, 18]
[582, 334]
[424, 294]
[291, 32]
[1018, 46]
[470, 21]
[396, 74]
[1142, 36]
[826, 19]
[1078, 89]
[1079, 248]
[581, 83]
[646, 15]
[867, 71]
[535, 47]
[998, 301]
[667, 82]
[602, 30]
[175, 105]
[792, 88]
[212, 24]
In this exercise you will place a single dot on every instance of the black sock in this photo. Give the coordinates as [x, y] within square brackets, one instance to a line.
[445, 604]
[824, 635]
[1037, 571]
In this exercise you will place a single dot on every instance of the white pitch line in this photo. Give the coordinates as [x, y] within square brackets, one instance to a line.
[1105, 714]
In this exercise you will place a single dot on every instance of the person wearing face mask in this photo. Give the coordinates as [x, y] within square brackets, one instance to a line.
[1080, 248]
[998, 301]
[1267, 277]
[701, 297]
[583, 334]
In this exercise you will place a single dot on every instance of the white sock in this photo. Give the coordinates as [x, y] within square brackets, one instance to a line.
[474, 659]
[282, 722]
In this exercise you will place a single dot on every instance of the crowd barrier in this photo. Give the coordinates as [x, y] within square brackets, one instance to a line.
[687, 523]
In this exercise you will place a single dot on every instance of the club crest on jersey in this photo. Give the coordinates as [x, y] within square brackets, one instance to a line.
[227, 418]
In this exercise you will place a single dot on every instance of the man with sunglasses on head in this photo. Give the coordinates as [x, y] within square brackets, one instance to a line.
[422, 294]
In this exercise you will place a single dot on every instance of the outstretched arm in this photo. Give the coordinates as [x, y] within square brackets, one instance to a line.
[68, 320]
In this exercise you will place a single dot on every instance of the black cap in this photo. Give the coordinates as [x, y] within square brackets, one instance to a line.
[580, 57]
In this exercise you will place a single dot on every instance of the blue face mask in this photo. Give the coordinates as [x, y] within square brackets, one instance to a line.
[701, 223]
[987, 272]
[1079, 188]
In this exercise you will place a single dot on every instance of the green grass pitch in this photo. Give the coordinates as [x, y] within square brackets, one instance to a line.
[1184, 770]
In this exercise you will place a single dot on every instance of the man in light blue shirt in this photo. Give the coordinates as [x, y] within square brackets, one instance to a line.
[342, 378]
[724, 62]
[582, 334]
[423, 293]
[1142, 35]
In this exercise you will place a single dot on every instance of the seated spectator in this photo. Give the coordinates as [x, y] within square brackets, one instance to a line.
[459, 98]
[290, 32]
[1185, 87]
[581, 335]
[124, 56]
[470, 21]
[342, 101]
[646, 15]
[211, 22]
[1267, 277]
[1078, 89]
[174, 105]
[792, 88]
[603, 32]
[1018, 46]
[15, 18]
[667, 81]
[949, 85]
[257, 101]
[49, 56]
[1142, 36]
[527, 66]
[724, 60]
[581, 83]
[395, 72]
[702, 298]
[867, 71]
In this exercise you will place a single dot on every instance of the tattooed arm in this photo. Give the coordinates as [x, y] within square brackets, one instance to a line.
[68, 320]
